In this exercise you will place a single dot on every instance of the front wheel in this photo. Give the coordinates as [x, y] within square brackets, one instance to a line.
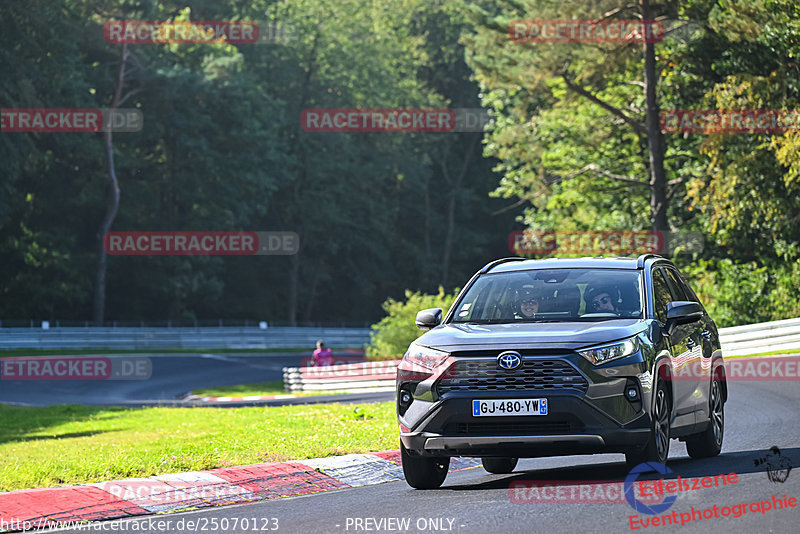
[499, 466]
[657, 449]
[708, 443]
[424, 472]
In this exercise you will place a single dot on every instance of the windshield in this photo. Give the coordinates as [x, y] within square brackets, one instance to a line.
[552, 295]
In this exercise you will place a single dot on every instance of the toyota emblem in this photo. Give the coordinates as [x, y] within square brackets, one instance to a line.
[509, 360]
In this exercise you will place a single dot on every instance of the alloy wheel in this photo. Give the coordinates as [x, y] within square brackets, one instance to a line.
[662, 424]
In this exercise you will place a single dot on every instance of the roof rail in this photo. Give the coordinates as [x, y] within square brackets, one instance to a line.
[492, 264]
[644, 257]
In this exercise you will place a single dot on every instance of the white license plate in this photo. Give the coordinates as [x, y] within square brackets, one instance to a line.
[495, 407]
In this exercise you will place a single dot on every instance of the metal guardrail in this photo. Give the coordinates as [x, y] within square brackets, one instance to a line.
[380, 376]
[760, 337]
[359, 377]
[180, 338]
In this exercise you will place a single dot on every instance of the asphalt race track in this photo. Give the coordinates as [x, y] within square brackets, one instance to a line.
[173, 376]
[759, 415]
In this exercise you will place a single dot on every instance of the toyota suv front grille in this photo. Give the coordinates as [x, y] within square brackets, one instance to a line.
[533, 374]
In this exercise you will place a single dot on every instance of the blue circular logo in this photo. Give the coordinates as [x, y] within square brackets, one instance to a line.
[509, 360]
[639, 506]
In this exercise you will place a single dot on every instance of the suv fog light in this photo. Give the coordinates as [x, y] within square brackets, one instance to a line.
[633, 392]
[404, 400]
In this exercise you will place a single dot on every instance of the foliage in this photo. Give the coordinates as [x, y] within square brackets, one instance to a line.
[392, 335]
[737, 293]
[222, 149]
[739, 190]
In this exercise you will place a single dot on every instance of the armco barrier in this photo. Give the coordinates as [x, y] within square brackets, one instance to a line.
[359, 377]
[380, 376]
[760, 337]
[737, 340]
[180, 337]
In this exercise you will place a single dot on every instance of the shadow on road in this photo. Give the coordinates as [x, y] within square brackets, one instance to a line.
[735, 462]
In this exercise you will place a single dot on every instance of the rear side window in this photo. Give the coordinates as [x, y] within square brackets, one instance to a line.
[661, 296]
[690, 294]
[675, 285]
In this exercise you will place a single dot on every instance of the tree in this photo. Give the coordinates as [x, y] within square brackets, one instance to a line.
[525, 81]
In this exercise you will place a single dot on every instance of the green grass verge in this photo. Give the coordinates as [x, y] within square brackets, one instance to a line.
[757, 355]
[70, 444]
[262, 389]
[81, 352]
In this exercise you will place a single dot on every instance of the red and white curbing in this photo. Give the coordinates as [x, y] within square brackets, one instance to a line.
[38, 508]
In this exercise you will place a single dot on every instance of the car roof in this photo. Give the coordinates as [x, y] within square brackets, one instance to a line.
[597, 262]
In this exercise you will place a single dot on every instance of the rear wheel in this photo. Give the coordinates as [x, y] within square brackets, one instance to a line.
[657, 449]
[708, 443]
[424, 472]
[499, 466]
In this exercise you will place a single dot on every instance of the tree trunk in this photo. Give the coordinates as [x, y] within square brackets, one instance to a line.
[112, 201]
[658, 180]
[313, 292]
[455, 187]
[294, 279]
[294, 270]
[448, 237]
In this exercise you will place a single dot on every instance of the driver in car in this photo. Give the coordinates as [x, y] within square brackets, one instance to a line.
[528, 302]
[599, 299]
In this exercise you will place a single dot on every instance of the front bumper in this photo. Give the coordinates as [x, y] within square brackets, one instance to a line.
[572, 426]
[588, 420]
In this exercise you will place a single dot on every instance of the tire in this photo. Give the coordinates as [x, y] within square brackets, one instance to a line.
[657, 449]
[424, 472]
[708, 443]
[499, 466]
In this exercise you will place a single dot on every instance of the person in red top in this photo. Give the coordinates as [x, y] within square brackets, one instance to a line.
[322, 356]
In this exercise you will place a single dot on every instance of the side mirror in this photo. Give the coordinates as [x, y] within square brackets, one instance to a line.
[427, 319]
[683, 312]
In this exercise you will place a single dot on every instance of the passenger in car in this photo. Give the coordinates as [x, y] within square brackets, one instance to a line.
[601, 299]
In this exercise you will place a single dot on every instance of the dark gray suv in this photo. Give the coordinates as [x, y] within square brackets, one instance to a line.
[561, 356]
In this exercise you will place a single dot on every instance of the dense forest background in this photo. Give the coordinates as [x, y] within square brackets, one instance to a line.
[568, 148]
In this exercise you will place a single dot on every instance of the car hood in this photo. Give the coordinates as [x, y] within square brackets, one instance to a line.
[571, 335]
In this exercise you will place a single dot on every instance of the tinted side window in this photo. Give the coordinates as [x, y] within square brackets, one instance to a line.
[690, 294]
[661, 296]
[675, 286]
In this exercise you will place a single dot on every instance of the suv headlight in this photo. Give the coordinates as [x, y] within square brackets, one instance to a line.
[425, 357]
[606, 353]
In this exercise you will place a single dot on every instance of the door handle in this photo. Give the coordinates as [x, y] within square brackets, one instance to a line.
[706, 334]
[691, 343]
